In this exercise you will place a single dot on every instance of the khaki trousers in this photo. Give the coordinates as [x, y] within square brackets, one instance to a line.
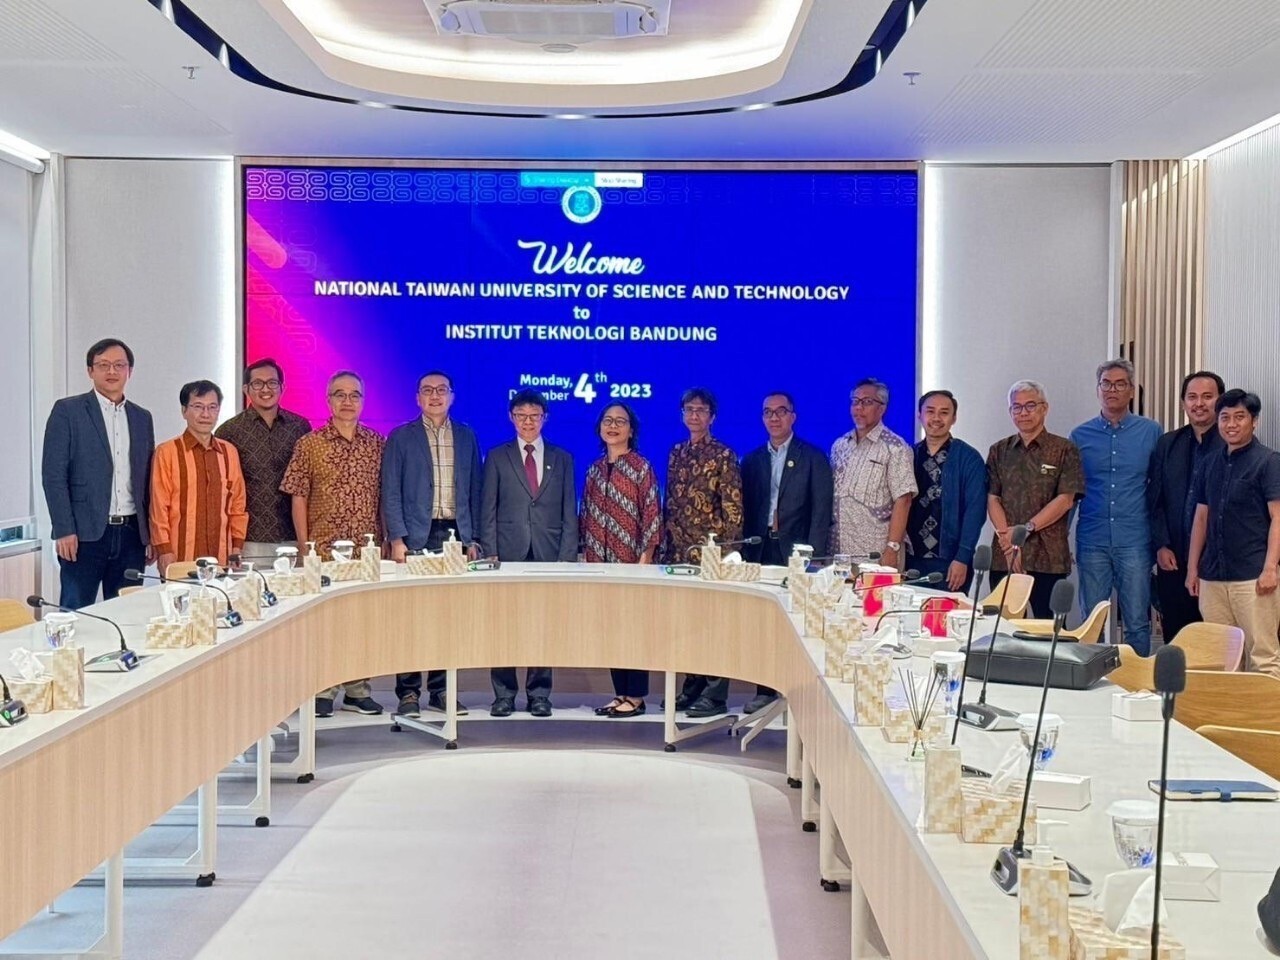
[1237, 604]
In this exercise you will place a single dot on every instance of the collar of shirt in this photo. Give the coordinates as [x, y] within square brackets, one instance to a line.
[872, 436]
[1243, 451]
[109, 406]
[1106, 424]
[538, 446]
[252, 413]
[923, 447]
[780, 451]
[192, 442]
[330, 431]
[433, 429]
[1035, 441]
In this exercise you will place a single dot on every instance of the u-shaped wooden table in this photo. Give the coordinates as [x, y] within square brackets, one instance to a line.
[78, 786]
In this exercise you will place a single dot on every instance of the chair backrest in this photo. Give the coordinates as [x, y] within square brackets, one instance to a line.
[1091, 630]
[1249, 700]
[14, 614]
[180, 569]
[125, 591]
[1016, 600]
[1135, 672]
[1211, 646]
[1261, 748]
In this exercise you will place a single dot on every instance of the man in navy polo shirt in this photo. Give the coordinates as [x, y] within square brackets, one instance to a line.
[1235, 537]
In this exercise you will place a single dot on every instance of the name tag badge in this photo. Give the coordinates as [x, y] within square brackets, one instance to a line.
[1047, 469]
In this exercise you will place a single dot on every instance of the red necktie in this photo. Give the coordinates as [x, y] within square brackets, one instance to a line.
[531, 469]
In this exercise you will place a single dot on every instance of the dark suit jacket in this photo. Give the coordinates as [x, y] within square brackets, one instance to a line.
[804, 498]
[77, 468]
[408, 483]
[1168, 480]
[511, 521]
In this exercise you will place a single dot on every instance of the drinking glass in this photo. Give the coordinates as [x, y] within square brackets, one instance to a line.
[1133, 828]
[1047, 745]
[949, 666]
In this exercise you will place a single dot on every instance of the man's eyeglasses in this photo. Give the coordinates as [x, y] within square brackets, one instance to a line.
[1113, 386]
[1029, 407]
[615, 422]
[696, 411]
[354, 397]
[430, 391]
[776, 413]
[257, 386]
[865, 402]
[527, 417]
[106, 366]
[204, 407]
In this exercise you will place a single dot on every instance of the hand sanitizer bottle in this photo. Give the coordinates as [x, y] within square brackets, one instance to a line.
[1044, 888]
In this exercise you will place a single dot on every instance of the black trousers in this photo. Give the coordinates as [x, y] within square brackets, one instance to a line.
[1040, 592]
[630, 683]
[412, 682]
[1177, 607]
[537, 680]
[102, 563]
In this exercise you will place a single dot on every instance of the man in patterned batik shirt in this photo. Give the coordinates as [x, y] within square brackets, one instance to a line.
[875, 480]
[704, 495]
[334, 480]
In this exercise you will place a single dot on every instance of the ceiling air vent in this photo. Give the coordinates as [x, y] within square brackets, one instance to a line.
[551, 21]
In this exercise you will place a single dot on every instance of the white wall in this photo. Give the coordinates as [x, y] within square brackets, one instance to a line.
[15, 334]
[1242, 271]
[1015, 286]
[149, 258]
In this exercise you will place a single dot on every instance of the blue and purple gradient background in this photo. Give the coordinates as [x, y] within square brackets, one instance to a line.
[855, 229]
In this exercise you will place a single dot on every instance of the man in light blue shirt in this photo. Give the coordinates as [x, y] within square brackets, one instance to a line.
[777, 460]
[1113, 529]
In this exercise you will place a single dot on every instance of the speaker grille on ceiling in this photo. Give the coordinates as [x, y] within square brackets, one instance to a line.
[543, 21]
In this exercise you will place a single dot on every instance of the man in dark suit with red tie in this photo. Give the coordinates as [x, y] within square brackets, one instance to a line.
[528, 512]
[786, 498]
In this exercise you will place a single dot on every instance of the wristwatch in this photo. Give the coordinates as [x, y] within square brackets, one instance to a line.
[893, 545]
[1031, 526]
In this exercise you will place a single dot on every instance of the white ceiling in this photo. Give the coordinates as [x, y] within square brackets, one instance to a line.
[1001, 81]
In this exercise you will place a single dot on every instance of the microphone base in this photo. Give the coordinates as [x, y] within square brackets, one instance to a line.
[1004, 873]
[231, 619]
[682, 570]
[269, 599]
[117, 661]
[11, 712]
[986, 717]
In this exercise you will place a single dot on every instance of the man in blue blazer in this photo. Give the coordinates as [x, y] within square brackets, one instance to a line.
[96, 473]
[528, 513]
[950, 506]
[430, 493]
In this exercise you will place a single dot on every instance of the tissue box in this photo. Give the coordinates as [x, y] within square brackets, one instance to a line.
[928, 646]
[288, 584]
[1092, 939]
[1140, 706]
[344, 572]
[994, 819]
[425, 565]
[1061, 791]
[168, 635]
[740, 572]
[36, 695]
[1187, 876]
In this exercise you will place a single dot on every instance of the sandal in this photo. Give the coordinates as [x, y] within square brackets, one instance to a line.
[607, 709]
[627, 708]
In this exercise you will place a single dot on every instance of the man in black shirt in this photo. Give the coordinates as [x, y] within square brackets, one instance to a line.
[1235, 538]
[1179, 456]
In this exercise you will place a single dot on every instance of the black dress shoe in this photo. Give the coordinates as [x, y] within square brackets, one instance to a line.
[702, 707]
[759, 702]
[540, 706]
[683, 701]
[502, 707]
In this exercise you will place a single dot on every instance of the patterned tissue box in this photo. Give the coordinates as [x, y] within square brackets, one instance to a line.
[898, 726]
[168, 635]
[425, 565]
[343, 571]
[1092, 939]
[36, 695]
[291, 584]
[204, 621]
[740, 572]
[994, 819]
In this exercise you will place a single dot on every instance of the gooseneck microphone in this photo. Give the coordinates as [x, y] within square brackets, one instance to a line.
[1005, 870]
[981, 565]
[117, 661]
[744, 542]
[230, 619]
[981, 714]
[1170, 680]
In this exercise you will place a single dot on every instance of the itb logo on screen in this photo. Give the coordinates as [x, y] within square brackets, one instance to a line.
[581, 204]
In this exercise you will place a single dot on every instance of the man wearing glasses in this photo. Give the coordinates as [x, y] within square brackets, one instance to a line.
[875, 480]
[334, 480]
[197, 489]
[96, 473]
[430, 492]
[704, 496]
[1034, 478]
[1113, 531]
[528, 513]
[786, 498]
[264, 435]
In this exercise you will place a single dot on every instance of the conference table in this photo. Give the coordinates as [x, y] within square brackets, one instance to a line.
[79, 785]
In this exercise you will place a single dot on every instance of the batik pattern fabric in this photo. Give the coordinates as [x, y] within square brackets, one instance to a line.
[620, 517]
[704, 496]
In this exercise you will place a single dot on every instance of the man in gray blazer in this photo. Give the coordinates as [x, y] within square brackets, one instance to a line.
[96, 473]
[528, 513]
[430, 491]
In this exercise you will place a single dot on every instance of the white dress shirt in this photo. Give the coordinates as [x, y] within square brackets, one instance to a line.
[117, 421]
[539, 455]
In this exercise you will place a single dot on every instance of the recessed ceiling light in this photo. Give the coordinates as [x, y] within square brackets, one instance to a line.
[757, 106]
[375, 104]
[559, 47]
[570, 116]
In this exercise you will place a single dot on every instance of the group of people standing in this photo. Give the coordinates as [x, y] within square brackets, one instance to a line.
[1201, 502]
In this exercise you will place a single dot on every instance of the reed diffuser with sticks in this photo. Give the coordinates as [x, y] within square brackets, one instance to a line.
[920, 704]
